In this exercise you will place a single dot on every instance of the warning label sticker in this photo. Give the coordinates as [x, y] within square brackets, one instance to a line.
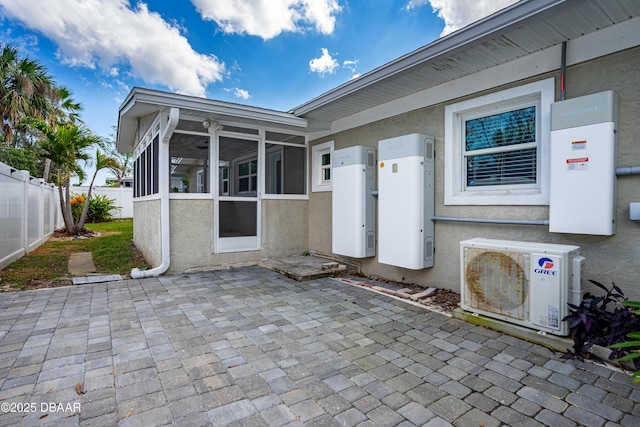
[578, 164]
[578, 145]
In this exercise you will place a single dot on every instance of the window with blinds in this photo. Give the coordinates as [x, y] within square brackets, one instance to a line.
[501, 149]
[497, 147]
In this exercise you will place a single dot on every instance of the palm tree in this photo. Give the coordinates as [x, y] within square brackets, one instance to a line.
[25, 91]
[66, 144]
[103, 161]
[64, 109]
[124, 159]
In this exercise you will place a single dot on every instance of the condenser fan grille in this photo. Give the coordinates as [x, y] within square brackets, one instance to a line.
[497, 282]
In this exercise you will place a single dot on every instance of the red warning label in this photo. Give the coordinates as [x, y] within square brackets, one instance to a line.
[578, 164]
[578, 160]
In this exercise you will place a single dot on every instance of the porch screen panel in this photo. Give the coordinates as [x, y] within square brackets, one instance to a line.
[285, 169]
[149, 165]
[143, 173]
[189, 157]
[238, 218]
[155, 144]
[136, 178]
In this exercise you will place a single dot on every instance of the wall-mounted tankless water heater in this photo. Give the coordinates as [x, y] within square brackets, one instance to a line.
[353, 204]
[582, 197]
[406, 201]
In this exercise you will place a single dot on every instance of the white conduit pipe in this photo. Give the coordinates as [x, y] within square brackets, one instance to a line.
[493, 220]
[628, 170]
[163, 159]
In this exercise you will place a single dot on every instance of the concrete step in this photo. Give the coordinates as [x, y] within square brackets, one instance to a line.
[301, 268]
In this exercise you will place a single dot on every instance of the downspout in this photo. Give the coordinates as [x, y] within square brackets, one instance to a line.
[163, 165]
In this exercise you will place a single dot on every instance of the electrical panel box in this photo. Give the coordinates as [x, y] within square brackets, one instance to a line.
[406, 201]
[353, 204]
[634, 211]
[582, 197]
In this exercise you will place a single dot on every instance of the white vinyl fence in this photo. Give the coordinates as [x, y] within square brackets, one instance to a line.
[122, 196]
[29, 213]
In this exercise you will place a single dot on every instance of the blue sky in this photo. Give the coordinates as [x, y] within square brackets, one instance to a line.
[274, 54]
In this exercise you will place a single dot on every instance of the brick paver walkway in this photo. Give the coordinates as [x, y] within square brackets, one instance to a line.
[250, 347]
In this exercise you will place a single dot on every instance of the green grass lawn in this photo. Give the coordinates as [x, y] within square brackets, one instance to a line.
[113, 253]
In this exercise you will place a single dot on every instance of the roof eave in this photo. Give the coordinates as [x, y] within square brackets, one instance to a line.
[483, 29]
[141, 101]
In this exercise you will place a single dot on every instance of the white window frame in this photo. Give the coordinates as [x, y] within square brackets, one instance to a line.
[200, 181]
[236, 175]
[318, 183]
[456, 192]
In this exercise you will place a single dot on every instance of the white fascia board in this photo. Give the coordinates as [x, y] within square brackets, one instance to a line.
[600, 43]
[218, 107]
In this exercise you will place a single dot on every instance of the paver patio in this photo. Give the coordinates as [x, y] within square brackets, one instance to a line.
[251, 347]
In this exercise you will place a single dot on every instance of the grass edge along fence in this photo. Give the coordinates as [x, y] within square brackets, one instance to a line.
[29, 213]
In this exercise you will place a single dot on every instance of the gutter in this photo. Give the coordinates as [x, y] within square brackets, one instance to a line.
[136, 273]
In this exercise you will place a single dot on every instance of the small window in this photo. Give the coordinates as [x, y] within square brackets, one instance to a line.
[325, 165]
[497, 147]
[321, 155]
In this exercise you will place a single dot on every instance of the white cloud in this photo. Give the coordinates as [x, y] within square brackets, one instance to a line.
[350, 65]
[239, 93]
[460, 13]
[269, 18]
[108, 34]
[324, 64]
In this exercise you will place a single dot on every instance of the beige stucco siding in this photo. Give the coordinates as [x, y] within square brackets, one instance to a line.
[284, 232]
[146, 230]
[608, 259]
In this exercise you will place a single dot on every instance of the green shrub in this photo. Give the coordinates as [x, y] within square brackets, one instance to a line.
[101, 208]
[605, 320]
[634, 344]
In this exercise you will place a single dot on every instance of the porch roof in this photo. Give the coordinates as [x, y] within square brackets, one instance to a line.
[141, 102]
[524, 28]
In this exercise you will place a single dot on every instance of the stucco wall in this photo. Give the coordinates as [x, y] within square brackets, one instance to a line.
[284, 232]
[146, 230]
[608, 259]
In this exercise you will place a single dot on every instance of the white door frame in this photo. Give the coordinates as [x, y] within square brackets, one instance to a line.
[237, 243]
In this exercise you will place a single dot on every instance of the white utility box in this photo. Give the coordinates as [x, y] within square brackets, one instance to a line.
[406, 201]
[353, 204]
[582, 196]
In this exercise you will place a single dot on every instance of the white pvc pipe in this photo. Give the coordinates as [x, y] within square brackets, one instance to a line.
[163, 165]
[576, 280]
[628, 170]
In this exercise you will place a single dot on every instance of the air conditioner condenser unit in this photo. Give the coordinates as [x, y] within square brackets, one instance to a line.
[524, 283]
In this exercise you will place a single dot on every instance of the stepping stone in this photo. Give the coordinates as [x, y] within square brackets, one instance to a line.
[81, 264]
[96, 279]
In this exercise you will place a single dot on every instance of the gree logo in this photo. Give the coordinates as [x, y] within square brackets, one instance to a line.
[546, 265]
